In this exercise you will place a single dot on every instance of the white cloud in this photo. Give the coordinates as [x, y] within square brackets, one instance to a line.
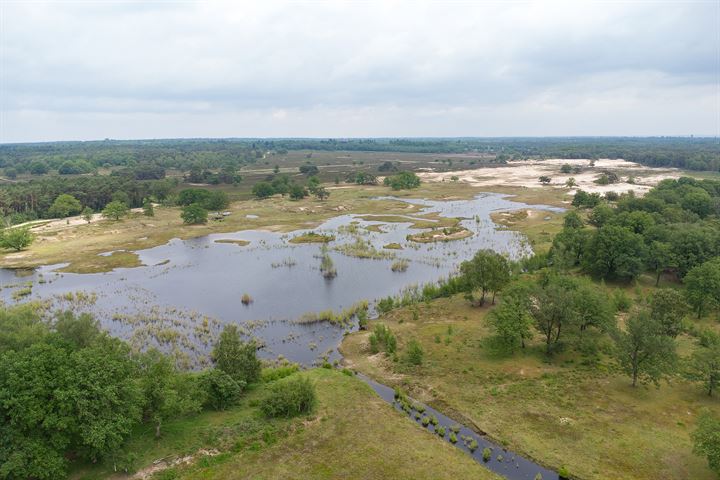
[167, 69]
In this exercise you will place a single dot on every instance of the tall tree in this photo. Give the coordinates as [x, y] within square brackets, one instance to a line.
[487, 271]
[643, 352]
[706, 439]
[667, 309]
[703, 286]
[235, 357]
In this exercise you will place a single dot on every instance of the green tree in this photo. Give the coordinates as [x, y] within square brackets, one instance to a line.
[194, 214]
[414, 353]
[65, 206]
[667, 309]
[166, 393]
[297, 192]
[17, 239]
[703, 286]
[322, 193]
[216, 200]
[615, 252]
[87, 214]
[235, 357]
[222, 390]
[115, 210]
[704, 366]
[511, 320]
[263, 190]
[706, 439]
[487, 271]
[601, 215]
[572, 220]
[661, 258]
[553, 308]
[148, 209]
[643, 352]
[402, 181]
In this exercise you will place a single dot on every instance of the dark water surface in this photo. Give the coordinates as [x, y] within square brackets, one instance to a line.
[191, 288]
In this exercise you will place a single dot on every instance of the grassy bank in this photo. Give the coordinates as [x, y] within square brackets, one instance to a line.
[352, 434]
[563, 412]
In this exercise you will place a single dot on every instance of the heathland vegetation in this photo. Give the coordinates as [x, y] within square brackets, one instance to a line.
[587, 356]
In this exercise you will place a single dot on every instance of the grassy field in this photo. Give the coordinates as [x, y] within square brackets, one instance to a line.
[352, 434]
[584, 416]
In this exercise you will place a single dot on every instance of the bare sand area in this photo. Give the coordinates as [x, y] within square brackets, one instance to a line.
[526, 173]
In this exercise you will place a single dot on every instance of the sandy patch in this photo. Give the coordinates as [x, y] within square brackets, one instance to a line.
[526, 174]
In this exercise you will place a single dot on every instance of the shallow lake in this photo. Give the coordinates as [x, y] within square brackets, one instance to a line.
[191, 288]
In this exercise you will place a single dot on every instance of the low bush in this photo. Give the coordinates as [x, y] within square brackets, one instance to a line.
[289, 397]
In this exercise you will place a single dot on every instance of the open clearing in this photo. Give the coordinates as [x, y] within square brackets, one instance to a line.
[526, 174]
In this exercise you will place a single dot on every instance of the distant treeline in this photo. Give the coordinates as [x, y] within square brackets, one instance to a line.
[145, 159]
[84, 157]
[31, 200]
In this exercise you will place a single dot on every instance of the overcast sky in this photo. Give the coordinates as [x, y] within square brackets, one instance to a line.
[91, 70]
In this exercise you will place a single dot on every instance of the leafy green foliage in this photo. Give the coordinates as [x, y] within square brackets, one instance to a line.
[402, 181]
[18, 238]
[194, 214]
[706, 439]
[289, 397]
[382, 339]
[222, 390]
[235, 357]
[703, 286]
[115, 210]
[64, 206]
[487, 271]
[414, 353]
[643, 351]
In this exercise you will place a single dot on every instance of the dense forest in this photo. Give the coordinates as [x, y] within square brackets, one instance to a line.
[82, 157]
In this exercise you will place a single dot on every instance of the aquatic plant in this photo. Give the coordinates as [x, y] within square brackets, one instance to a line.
[453, 438]
[246, 299]
[426, 421]
[486, 454]
[343, 317]
[400, 265]
[434, 420]
[327, 266]
[473, 445]
[440, 431]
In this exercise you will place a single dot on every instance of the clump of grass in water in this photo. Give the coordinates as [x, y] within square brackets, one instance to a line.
[440, 431]
[327, 267]
[473, 445]
[246, 299]
[343, 317]
[453, 438]
[312, 237]
[361, 248]
[426, 421]
[400, 265]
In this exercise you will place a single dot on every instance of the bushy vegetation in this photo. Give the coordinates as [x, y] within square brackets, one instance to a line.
[289, 397]
[402, 181]
[68, 390]
[382, 339]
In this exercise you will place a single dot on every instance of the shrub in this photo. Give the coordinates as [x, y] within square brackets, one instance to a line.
[276, 373]
[382, 339]
[622, 301]
[414, 353]
[289, 397]
[487, 454]
[222, 390]
[402, 181]
[385, 305]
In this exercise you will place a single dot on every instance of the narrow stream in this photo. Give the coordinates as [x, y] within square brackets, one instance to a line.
[502, 461]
